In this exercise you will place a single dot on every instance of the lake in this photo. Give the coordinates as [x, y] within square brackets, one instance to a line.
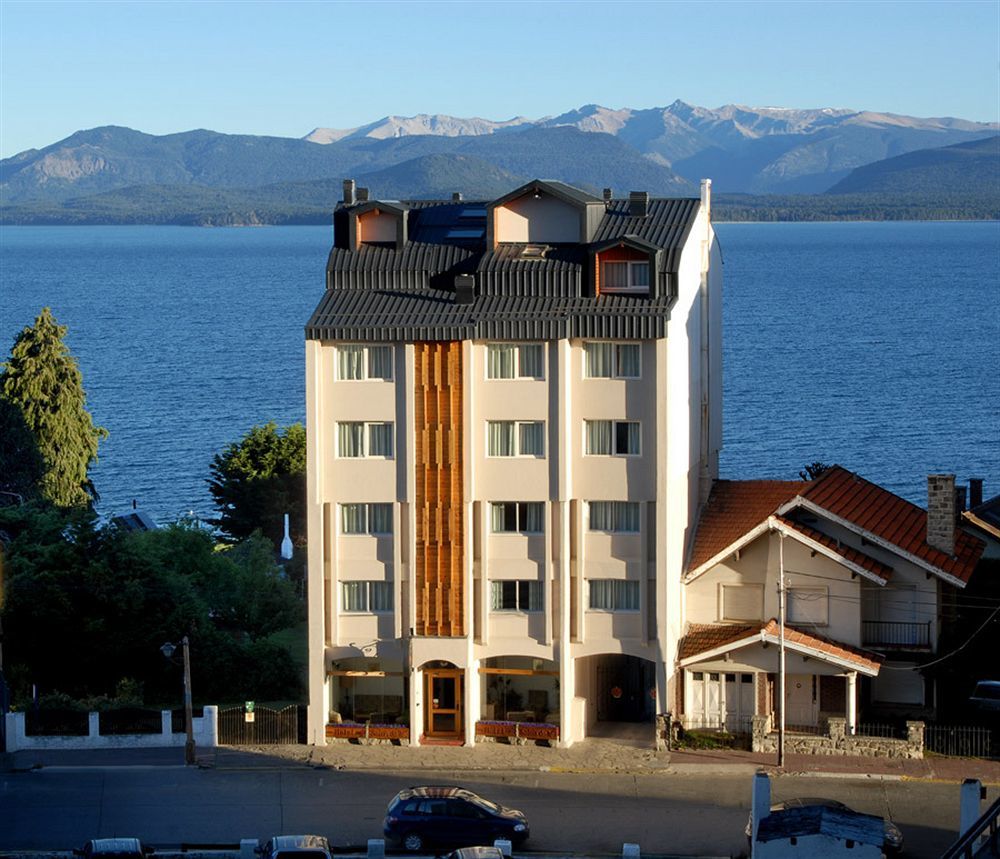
[874, 345]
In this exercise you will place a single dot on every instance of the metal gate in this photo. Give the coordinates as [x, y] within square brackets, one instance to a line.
[269, 727]
[623, 684]
[967, 741]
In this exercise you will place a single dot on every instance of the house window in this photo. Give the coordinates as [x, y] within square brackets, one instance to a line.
[808, 606]
[515, 438]
[612, 438]
[366, 518]
[516, 595]
[614, 595]
[366, 597]
[517, 517]
[625, 276]
[515, 361]
[611, 361]
[356, 363]
[616, 517]
[742, 602]
[356, 439]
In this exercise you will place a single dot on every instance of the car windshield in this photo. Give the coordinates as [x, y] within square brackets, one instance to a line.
[491, 807]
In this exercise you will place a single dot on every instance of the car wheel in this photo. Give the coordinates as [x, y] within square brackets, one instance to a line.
[413, 842]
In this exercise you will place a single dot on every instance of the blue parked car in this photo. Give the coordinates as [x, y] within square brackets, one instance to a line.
[453, 816]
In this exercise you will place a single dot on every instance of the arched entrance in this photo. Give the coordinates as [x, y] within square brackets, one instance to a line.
[443, 691]
[624, 689]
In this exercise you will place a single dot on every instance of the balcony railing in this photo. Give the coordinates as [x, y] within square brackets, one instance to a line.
[893, 633]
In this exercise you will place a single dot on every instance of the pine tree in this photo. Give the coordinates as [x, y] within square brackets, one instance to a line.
[42, 379]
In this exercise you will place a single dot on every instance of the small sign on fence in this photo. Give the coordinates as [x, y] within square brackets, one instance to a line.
[248, 712]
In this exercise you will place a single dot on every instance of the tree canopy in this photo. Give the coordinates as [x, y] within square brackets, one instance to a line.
[258, 479]
[42, 381]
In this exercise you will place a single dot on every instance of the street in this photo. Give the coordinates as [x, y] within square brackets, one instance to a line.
[59, 808]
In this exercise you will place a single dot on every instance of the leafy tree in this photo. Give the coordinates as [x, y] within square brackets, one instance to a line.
[814, 470]
[42, 380]
[258, 479]
[21, 465]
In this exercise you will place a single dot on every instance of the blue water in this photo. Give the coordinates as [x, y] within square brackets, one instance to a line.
[871, 345]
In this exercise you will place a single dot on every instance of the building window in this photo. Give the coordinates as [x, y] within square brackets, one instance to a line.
[612, 438]
[616, 517]
[614, 595]
[366, 518]
[366, 597]
[625, 277]
[356, 363]
[359, 439]
[515, 438]
[808, 606]
[516, 595]
[611, 361]
[742, 602]
[515, 361]
[517, 517]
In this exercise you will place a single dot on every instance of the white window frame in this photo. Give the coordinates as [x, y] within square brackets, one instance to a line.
[817, 594]
[614, 608]
[614, 518]
[615, 355]
[369, 519]
[517, 517]
[518, 583]
[759, 589]
[614, 435]
[365, 373]
[518, 375]
[365, 440]
[631, 287]
[517, 441]
[368, 585]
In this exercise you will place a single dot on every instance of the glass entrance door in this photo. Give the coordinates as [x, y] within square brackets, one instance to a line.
[443, 703]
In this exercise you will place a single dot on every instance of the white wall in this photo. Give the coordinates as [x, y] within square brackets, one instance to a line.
[545, 220]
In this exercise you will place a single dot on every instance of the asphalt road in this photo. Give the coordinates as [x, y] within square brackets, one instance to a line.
[697, 815]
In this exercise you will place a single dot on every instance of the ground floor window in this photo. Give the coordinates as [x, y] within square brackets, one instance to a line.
[519, 689]
[360, 692]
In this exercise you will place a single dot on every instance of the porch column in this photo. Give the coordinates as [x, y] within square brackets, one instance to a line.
[471, 704]
[852, 702]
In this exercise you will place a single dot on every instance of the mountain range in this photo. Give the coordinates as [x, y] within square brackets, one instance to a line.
[204, 176]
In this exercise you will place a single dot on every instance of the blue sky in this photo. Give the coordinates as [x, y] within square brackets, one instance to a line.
[286, 68]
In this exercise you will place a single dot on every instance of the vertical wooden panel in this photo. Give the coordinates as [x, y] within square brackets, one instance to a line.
[440, 531]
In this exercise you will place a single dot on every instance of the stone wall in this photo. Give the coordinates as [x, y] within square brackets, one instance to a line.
[836, 741]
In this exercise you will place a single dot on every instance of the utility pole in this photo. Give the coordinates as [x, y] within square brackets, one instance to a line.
[781, 649]
[189, 756]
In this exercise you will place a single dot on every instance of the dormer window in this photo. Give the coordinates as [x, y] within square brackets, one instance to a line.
[629, 276]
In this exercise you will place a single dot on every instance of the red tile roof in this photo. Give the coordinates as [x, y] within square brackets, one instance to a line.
[702, 638]
[871, 508]
[734, 508]
[866, 562]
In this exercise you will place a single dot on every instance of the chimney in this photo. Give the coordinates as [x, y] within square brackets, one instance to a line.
[706, 196]
[456, 197]
[960, 496]
[362, 195]
[349, 194]
[975, 492]
[607, 195]
[638, 204]
[465, 288]
[941, 512]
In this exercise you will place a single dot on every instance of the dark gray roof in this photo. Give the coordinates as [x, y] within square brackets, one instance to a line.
[822, 820]
[385, 293]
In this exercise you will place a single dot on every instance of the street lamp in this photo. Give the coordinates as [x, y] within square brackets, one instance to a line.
[167, 650]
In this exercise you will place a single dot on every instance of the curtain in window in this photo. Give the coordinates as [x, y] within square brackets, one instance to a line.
[626, 596]
[530, 596]
[381, 518]
[600, 516]
[496, 596]
[352, 519]
[598, 437]
[380, 362]
[601, 594]
[626, 437]
[614, 275]
[530, 361]
[531, 514]
[350, 438]
[640, 274]
[380, 596]
[354, 596]
[627, 516]
[500, 361]
[628, 360]
[380, 440]
[349, 362]
[598, 358]
[501, 438]
[531, 441]
[501, 516]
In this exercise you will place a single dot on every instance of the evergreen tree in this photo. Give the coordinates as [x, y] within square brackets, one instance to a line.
[21, 464]
[42, 380]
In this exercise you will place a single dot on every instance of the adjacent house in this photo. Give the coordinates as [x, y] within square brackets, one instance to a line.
[866, 577]
[514, 416]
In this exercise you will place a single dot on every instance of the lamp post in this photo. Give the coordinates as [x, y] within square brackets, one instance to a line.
[168, 650]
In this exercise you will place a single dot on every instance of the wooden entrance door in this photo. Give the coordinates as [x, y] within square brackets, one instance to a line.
[443, 696]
